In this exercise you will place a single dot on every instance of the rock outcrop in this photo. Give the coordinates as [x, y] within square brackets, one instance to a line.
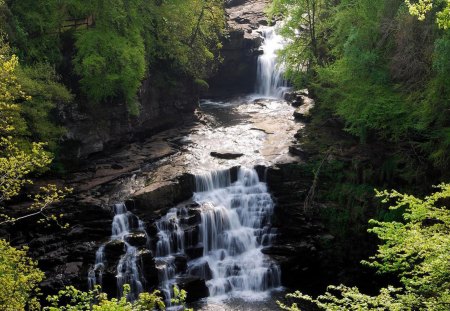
[108, 126]
[240, 48]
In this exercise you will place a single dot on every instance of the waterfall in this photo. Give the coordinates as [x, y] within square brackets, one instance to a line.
[234, 225]
[269, 77]
[218, 239]
[235, 222]
[124, 225]
[168, 248]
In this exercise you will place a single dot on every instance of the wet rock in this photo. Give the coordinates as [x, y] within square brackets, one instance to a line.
[163, 195]
[114, 250]
[148, 267]
[109, 284]
[298, 151]
[194, 286]
[240, 48]
[303, 113]
[191, 236]
[231, 3]
[136, 238]
[295, 95]
[180, 262]
[194, 252]
[226, 155]
[289, 249]
[202, 270]
[193, 219]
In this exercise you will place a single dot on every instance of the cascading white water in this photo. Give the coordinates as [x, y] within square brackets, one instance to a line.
[235, 220]
[269, 77]
[234, 226]
[128, 270]
[170, 243]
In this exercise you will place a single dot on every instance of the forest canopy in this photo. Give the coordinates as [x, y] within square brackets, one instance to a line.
[382, 67]
[109, 46]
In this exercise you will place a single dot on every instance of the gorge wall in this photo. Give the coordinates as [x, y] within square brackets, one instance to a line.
[167, 104]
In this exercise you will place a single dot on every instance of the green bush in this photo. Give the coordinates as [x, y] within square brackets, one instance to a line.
[417, 249]
[19, 279]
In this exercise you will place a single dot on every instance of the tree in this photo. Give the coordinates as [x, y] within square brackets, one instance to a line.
[303, 26]
[421, 7]
[19, 279]
[19, 159]
[417, 249]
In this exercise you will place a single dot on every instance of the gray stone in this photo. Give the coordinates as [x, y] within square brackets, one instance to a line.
[226, 155]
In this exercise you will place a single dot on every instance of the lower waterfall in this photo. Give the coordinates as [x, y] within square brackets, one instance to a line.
[217, 239]
[235, 225]
[125, 224]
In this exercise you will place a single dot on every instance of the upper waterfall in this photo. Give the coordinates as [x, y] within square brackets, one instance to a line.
[269, 76]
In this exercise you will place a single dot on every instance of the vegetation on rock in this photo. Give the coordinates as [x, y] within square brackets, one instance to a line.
[380, 70]
[117, 43]
[415, 248]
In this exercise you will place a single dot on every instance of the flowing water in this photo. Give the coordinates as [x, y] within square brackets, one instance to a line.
[234, 226]
[269, 77]
[219, 237]
[235, 223]
[128, 271]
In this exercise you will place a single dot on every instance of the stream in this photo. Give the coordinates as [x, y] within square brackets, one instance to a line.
[217, 240]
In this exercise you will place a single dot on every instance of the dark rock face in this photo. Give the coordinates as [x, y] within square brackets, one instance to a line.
[65, 255]
[195, 287]
[226, 155]
[298, 247]
[240, 50]
[110, 125]
[136, 239]
[151, 202]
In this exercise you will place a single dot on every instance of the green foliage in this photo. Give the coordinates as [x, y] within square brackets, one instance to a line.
[72, 299]
[110, 65]
[122, 42]
[19, 279]
[432, 121]
[417, 249]
[40, 82]
[202, 85]
[377, 68]
[34, 29]
[304, 26]
[421, 7]
[18, 158]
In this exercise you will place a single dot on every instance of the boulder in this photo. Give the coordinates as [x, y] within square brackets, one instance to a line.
[226, 155]
[295, 95]
[162, 195]
[303, 113]
[298, 151]
[137, 238]
[194, 286]
[114, 249]
[194, 252]
[148, 267]
[191, 236]
[180, 263]
[202, 270]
